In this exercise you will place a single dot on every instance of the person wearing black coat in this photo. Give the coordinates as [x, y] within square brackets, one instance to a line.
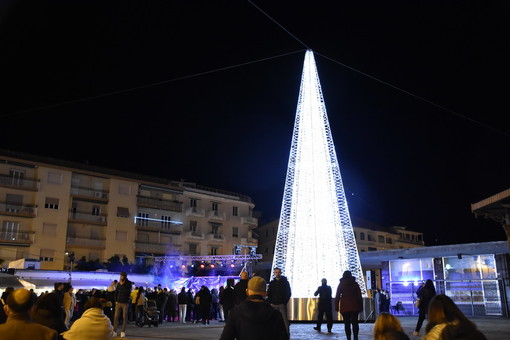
[240, 288]
[254, 318]
[182, 300]
[325, 305]
[425, 293]
[228, 298]
[279, 293]
[205, 299]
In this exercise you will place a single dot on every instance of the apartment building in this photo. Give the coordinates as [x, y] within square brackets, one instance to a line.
[50, 208]
[369, 237]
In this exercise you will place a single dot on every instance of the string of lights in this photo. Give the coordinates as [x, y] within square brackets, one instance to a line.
[315, 238]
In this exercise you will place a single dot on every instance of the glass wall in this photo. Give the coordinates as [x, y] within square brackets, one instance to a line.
[470, 280]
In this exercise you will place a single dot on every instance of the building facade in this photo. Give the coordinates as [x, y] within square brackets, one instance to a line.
[51, 208]
[369, 237]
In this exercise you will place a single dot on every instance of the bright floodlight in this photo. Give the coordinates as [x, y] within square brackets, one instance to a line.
[315, 237]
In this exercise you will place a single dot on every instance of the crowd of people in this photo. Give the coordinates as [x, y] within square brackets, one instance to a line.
[250, 308]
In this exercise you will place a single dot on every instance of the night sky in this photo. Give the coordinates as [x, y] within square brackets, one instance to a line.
[206, 91]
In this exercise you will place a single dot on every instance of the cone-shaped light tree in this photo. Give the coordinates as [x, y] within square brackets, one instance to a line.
[315, 237]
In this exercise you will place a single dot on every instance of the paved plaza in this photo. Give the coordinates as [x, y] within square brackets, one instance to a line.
[493, 328]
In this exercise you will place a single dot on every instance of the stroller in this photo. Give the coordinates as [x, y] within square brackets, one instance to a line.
[150, 314]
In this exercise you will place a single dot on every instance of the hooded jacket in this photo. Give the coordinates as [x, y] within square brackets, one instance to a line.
[254, 320]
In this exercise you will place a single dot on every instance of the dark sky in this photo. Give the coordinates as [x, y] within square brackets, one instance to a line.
[416, 93]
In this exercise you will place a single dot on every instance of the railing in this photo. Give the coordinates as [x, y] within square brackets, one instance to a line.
[89, 193]
[78, 217]
[215, 215]
[216, 237]
[159, 226]
[159, 248]
[161, 204]
[20, 237]
[19, 183]
[86, 242]
[194, 211]
[249, 220]
[21, 210]
[194, 234]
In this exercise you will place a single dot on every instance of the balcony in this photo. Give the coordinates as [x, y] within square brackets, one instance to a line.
[194, 234]
[155, 248]
[164, 227]
[249, 220]
[194, 211]
[82, 217]
[216, 237]
[89, 193]
[83, 242]
[215, 215]
[8, 181]
[19, 210]
[154, 203]
[17, 239]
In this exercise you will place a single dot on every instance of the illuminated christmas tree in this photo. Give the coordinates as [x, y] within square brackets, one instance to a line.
[315, 237]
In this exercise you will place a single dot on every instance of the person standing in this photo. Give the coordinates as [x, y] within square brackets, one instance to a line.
[18, 325]
[228, 298]
[122, 295]
[278, 295]
[69, 305]
[254, 318]
[205, 304]
[425, 293]
[349, 293]
[240, 288]
[182, 299]
[325, 306]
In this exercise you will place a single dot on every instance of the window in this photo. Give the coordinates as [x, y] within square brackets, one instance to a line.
[13, 203]
[16, 176]
[370, 237]
[362, 236]
[235, 211]
[235, 231]
[380, 239]
[143, 219]
[124, 189]
[49, 229]
[96, 210]
[389, 240]
[165, 221]
[122, 212]
[192, 248]
[47, 255]
[51, 203]
[214, 206]
[372, 249]
[193, 202]
[214, 251]
[215, 228]
[193, 226]
[121, 236]
[54, 178]
[10, 230]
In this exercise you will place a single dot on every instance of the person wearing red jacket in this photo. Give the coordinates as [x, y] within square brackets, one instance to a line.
[349, 302]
